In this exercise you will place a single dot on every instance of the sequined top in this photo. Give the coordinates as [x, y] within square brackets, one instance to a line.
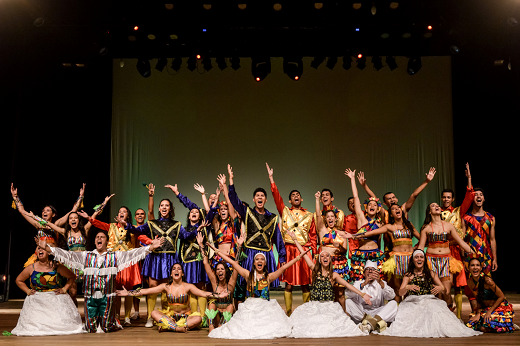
[76, 243]
[224, 302]
[425, 286]
[182, 300]
[260, 289]
[402, 237]
[45, 281]
[47, 234]
[322, 289]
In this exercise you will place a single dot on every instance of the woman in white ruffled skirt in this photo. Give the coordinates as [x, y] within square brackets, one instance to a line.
[258, 317]
[48, 309]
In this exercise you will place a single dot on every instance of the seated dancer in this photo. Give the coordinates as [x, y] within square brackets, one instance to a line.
[328, 318]
[157, 265]
[262, 231]
[421, 314]
[367, 221]
[219, 310]
[438, 234]
[47, 301]
[190, 253]
[491, 312]
[334, 242]
[119, 239]
[48, 215]
[479, 227]
[374, 316]
[225, 222]
[298, 220]
[401, 232]
[258, 317]
[100, 268]
[455, 217]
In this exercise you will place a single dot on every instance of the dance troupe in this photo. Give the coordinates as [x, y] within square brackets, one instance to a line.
[217, 269]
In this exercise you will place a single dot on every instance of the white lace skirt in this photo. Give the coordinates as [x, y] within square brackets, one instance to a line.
[256, 318]
[45, 313]
[322, 320]
[427, 317]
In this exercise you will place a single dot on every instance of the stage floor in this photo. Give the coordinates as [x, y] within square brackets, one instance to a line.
[138, 334]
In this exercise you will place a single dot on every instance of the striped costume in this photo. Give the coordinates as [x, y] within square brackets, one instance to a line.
[99, 280]
[397, 264]
[442, 264]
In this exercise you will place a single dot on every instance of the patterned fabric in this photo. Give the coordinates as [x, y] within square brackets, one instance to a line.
[437, 237]
[259, 290]
[45, 281]
[98, 311]
[360, 257]
[322, 289]
[43, 234]
[397, 264]
[440, 264]
[425, 286]
[370, 226]
[477, 237]
[402, 237]
[340, 266]
[100, 279]
[501, 319]
[76, 244]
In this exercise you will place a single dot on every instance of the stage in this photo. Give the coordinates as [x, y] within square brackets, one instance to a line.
[138, 334]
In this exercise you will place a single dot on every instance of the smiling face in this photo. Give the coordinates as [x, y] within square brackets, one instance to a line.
[326, 198]
[42, 255]
[140, 216]
[259, 200]
[220, 271]
[418, 260]
[295, 199]
[122, 214]
[435, 209]
[390, 199]
[259, 263]
[101, 241]
[396, 212]
[74, 221]
[47, 213]
[223, 212]
[194, 216]
[212, 198]
[177, 272]
[164, 208]
[330, 219]
[478, 201]
[475, 268]
[371, 208]
[368, 271]
[447, 199]
[324, 259]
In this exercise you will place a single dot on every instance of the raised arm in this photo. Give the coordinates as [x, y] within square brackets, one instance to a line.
[320, 226]
[63, 220]
[21, 209]
[56, 228]
[99, 208]
[202, 191]
[411, 200]
[243, 272]
[223, 189]
[360, 216]
[275, 275]
[183, 199]
[142, 292]
[151, 192]
[363, 182]
[455, 236]
[278, 200]
[209, 271]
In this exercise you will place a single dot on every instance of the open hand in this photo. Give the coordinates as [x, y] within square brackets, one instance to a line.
[199, 188]
[350, 174]
[361, 178]
[122, 293]
[151, 190]
[436, 290]
[83, 214]
[367, 300]
[82, 190]
[413, 288]
[156, 243]
[430, 174]
[230, 171]
[173, 188]
[317, 195]
[14, 191]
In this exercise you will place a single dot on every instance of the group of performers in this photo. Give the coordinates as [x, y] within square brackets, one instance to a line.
[216, 270]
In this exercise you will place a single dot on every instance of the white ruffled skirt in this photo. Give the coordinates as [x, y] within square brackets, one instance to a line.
[322, 320]
[427, 317]
[46, 313]
[256, 318]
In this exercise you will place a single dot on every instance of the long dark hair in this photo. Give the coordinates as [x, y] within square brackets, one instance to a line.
[226, 269]
[170, 278]
[128, 220]
[64, 239]
[425, 270]
[251, 276]
[406, 223]
[428, 217]
[482, 280]
[53, 211]
[171, 214]
[201, 217]
[318, 269]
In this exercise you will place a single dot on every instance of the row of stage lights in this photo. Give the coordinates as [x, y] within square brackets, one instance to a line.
[261, 67]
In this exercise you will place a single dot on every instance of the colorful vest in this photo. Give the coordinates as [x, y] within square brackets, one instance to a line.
[297, 221]
[167, 228]
[101, 278]
[117, 239]
[260, 229]
[190, 250]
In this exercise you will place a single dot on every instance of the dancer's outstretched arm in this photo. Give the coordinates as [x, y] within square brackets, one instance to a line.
[342, 281]
[243, 272]
[360, 216]
[275, 275]
[151, 192]
[308, 257]
[411, 200]
[363, 182]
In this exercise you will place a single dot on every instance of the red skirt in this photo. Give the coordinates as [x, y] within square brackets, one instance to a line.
[129, 277]
[299, 273]
[459, 279]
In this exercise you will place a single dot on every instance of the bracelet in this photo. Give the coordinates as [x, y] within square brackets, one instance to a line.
[362, 294]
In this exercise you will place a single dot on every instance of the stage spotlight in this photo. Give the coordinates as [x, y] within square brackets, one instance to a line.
[359, 56]
[176, 64]
[361, 62]
[394, 5]
[206, 63]
[318, 5]
[143, 66]
[221, 63]
[376, 61]
[293, 67]
[192, 63]
[347, 62]
[373, 10]
[414, 65]
[390, 61]
[317, 62]
[136, 28]
[430, 27]
[331, 62]
[121, 63]
[235, 63]
[454, 49]
[260, 68]
[161, 63]
[277, 7]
